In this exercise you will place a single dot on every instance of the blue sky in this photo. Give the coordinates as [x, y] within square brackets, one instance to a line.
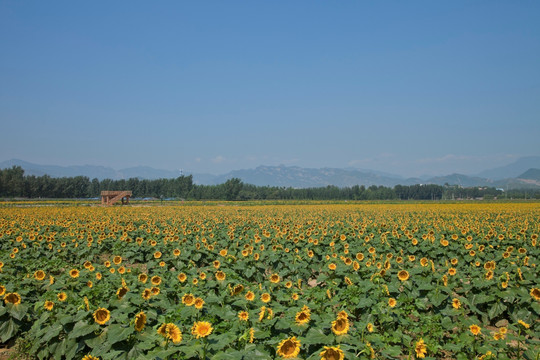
[412, 88]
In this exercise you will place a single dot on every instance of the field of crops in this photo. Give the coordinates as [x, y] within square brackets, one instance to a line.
[379, 281]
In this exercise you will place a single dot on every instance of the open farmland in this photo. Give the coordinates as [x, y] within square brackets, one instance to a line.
[440, 281]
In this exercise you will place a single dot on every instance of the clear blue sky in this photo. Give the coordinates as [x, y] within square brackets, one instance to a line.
[407, 87]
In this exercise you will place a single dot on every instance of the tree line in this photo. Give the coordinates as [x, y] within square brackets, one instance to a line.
[13, 183]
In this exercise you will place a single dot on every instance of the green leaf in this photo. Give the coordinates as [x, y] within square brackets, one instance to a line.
[117, 333]
[71, 348]
[437, 299]
[254, 352]
[193, 350]
[230, 355]
[497, 309]
[82, 328]
[17, 311]
[317, 336]
[392, 351]
[53, 332]
[59, 349]
[7, 330]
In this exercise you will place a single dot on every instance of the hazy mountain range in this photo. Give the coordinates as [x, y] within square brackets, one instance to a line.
[523, 173]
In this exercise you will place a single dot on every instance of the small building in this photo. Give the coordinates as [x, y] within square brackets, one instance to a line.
[110, 197]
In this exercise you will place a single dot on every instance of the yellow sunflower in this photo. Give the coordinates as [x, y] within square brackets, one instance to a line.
[146, 294]
[74, 273]
[535, 293]
[220, 275]
[340, 326]
[182, 277]
[475, 329]
[403, 275]
[524, 324]
[199, 303]
[302, 317]
[102, 315]
[121, 292]
[392, 302]
[140, 321]
[289, 348]
[62, 296]
[237, 289]
[274, 278]
[39, 275]
[243, 316]
[143, 278]
[250, 296]
[156, 280]
[170, 332]
[48, 305]
[12, 298]
[188, 299]
[420, 348]
[332, 353]
[89, 357]
[201, 329]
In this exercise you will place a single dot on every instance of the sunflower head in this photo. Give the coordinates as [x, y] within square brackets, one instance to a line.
[340, 326]
[243, 316]
[535, 293]
[403, 275]
[332, 353]
[39, 275]
[140, 321]
[102, 315]
[475, 329]
[188, 299]
[199, 303]
[420, 349]
[170, 332]
[201, 329]
[48, 305]
[250, 296]
[303, 317]
[220, 275]
[289, 348]
[12, 298]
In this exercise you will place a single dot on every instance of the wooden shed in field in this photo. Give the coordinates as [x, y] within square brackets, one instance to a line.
[110, 197]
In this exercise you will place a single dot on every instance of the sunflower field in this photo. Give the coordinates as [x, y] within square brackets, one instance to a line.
[321, 281]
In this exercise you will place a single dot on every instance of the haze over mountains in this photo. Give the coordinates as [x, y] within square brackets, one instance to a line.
[523, 173]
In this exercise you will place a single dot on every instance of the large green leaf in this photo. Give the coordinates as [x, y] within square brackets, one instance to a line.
[82, 328]
[497, 309]
[53, 331]
[316, 336]
[7, 330]
[17, 311]
[117, 333]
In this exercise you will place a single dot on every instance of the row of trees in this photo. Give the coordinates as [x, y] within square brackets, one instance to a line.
[13, 183]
